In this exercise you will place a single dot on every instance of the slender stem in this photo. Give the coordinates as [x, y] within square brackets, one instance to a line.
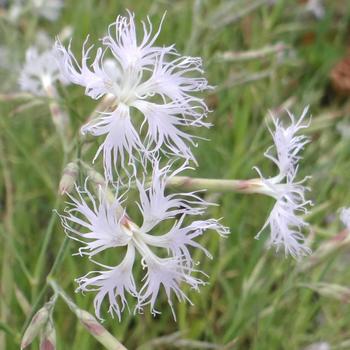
[244, 78]
[88, 321]
[39, 267]
[197, 26]
[59, 118]
[234, 16]
[216, 185]
[12, 250]
[189, 183]
[232, 56]
[40, 263]
[60, 256]
[7, 278]
[58, 261]
[11, 96]
[59, 291]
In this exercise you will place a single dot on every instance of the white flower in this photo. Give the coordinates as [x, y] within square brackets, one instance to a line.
[113, 282]
[287, 144]
[39, 72]
[48, 9]
[156, 206]
[345, 217]
[285, 221]
[105, 225]
[142, 78]
[171, 273]
[316, 7]
[121, 137]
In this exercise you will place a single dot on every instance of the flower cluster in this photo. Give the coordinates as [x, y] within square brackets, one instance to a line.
[142, 79]
[107, 225]
[285, 220]
[139, 79]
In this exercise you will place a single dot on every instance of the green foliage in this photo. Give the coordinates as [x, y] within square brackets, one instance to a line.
[255, 296]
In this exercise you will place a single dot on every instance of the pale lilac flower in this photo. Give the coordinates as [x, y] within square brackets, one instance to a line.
[39, 72]
[156, 206]
[113, 282]
[142, 78]
[43, 40]
[104, 224]
[287, 145]
[103, 227]
[15, 11]
[316, 7]
[169, 273]
[285, 220]
[345, 217]
[48, 9]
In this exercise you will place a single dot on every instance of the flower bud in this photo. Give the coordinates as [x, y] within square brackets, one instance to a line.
[98, 331]
[68, 178]
[96, 178]
[99, 182]
[36, 325]
[90, 323]
[48, 337]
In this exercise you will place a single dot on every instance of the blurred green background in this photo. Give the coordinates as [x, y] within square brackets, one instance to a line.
[260, 55]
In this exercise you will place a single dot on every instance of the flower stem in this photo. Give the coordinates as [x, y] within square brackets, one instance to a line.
[89, 321]
[59, 118]
[216, 185]
[56, 264]
[40, 264]
[231, 56]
